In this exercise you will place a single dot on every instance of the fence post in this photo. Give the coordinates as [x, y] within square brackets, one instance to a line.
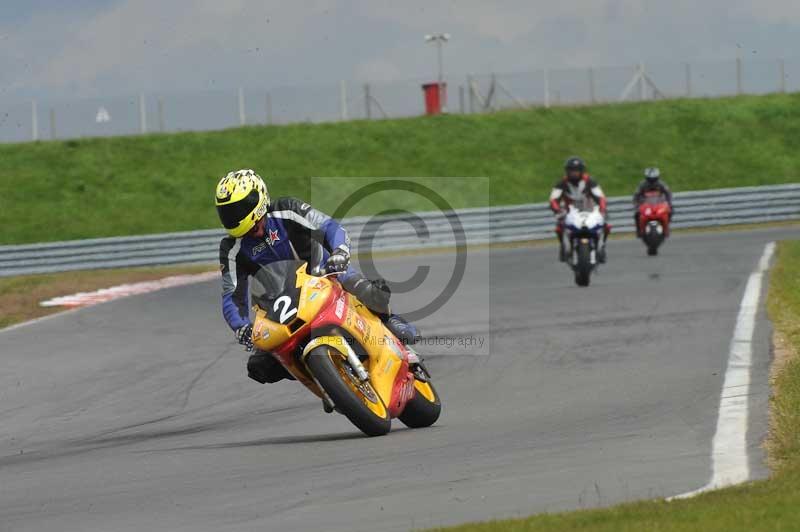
[688, 80]
[142, 114]
[461, 99]
[738, 76]
[343, 100]
[546, 88]
[161, 114]
[641, 82]
[34, 121]
[268, 106]
[471, 94]
[242, 116]
[52, 123]
[592, 86]
[367, 101]
[782, 68]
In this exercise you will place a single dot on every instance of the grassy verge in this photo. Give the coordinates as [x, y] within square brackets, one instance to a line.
[770, 504]
[62, 190]
[20, 296]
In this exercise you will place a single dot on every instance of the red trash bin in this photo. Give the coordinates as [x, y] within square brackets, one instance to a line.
[433, 105]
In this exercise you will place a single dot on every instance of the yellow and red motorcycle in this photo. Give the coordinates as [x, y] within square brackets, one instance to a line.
[335, 346]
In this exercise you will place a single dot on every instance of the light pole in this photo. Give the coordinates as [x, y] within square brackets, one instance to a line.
[439, 39]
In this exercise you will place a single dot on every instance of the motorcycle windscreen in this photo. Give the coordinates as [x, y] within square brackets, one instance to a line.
[275, 289]
[653, 199]
[583, 203]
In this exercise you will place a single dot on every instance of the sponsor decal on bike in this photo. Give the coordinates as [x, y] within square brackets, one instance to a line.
[407, 390]
[313, 296]
[392, 343]
[339, 311]
[360, 325]
[258, 332]
[316, 284]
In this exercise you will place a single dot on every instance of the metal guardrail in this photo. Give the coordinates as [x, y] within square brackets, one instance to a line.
[401, 233]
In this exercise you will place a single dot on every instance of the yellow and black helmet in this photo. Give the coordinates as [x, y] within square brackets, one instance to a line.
[242, 200]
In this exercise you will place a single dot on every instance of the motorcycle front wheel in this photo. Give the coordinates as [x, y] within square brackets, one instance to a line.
[583, 269]
[652, 241]
[357, 400]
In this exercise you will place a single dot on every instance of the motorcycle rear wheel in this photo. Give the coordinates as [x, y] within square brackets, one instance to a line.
[358, 401]
[424, 408]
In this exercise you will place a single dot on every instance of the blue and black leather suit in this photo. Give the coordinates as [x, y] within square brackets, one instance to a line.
[294, 230]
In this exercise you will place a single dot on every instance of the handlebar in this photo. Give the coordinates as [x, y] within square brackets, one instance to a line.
[318, 271]
[322, 271]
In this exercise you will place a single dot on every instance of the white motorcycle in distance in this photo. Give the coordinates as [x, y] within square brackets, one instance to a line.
[584, 239]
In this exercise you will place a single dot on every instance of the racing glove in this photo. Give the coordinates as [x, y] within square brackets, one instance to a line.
[244, 335]
[338, 261]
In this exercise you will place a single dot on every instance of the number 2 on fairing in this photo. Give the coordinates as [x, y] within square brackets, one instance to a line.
[286, 312]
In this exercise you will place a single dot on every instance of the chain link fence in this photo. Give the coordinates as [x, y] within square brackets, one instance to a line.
[219, 109]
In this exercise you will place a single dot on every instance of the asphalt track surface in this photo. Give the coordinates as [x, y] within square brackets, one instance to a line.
[137, 415]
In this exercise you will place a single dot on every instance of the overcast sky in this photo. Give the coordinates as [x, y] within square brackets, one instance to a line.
[76, 48]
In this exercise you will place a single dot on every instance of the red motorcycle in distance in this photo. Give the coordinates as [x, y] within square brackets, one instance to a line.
[654, 215]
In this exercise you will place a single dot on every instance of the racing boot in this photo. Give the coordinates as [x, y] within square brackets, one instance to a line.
[407, 333]
[601, 252]
[262, 367]
[416, 366]
[563, 253]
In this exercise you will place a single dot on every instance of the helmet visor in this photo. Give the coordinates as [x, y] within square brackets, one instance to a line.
[574, 175]
[232, 214]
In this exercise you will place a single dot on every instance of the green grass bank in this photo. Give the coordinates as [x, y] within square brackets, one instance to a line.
[60, 190]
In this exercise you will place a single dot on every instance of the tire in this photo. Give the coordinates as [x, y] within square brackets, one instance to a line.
[421, 411]
[652, 242]
[329, 367]
[583, 269]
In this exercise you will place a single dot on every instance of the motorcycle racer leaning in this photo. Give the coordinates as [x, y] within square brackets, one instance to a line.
[264, 231]
[652, 183]
[574, 186]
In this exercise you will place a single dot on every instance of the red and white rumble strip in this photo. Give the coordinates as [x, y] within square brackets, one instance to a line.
[83, 299]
